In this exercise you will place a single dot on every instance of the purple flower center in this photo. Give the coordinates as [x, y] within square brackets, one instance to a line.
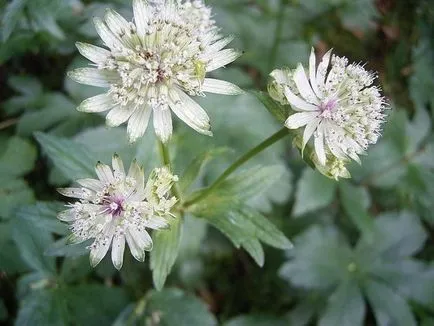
[115, 207]
[329, 105]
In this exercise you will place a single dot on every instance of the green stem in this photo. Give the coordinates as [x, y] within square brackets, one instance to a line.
[277, 35]
[243, 159]
[165, 157]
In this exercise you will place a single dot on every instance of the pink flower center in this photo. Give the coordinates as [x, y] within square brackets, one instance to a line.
[115, 207]
[329, 105]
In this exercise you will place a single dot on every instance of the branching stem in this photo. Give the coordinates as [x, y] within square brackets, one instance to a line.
[243, 159]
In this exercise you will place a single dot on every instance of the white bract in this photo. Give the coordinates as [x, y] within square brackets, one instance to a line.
[337, 104]
[154, 64]
[119, 208]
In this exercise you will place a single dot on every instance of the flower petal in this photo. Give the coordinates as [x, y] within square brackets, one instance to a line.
[109, 39]
[68, 215]
[156, 223]
[136, 172]
[190, 112]
[322, 69]
[303, 85]
[308, 132]
[163, 124]
[104, 173]
[300, 119]
[138, 123]
[297, 102]
[137, 252]
[92, 52]
[220, 44]
[319, 146]
[140, 16]
[142, 238]
[217, 86]
[92, 184]
[115, 22]
[220, 59]
[118, 115]
[312, 74]
[102, 245]
[80, 193]
[118, 248]
[98, 103]
[118, 167]
[281, 76]
[94, 77]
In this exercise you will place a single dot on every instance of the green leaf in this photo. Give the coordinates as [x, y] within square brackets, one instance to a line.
[254, 248]
[46, 21]
[75, 269]
[26, 85]
[18, 158]
[193, 233]
[398, 235]
[197, 165]
[57, 107]
[427, 321]
[246, 185]
[411, 278]
[175, 307]
[3, 311]
[280, 112]
[42, 307]
[63, 248]
[303, 312]
[10, 260]
[345, 306]
[14, 193]
[264, 229]
[164, 252]
[244, 227]
[32, 242]
[252, 182]
[12, 15]
[314, 191]
[389, 307]
[256, 320]
[94, 304]
[421, 81]
[320, 259]
[355, 201]
[74, 160]
[44, 216]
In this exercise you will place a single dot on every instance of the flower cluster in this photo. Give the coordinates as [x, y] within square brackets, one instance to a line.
[119, 207]
[337, 104]
[154, 64]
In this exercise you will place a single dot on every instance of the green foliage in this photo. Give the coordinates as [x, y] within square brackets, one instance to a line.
[164, 253]
[324, 261]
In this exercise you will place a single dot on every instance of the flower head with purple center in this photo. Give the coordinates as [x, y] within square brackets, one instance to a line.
[336, 103]
[119, 208]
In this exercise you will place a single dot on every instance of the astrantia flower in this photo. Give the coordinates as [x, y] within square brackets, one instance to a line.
[337, 104]
[119, 208]
[154, 64]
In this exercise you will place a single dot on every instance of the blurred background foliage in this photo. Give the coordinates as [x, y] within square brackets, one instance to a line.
[364, 248]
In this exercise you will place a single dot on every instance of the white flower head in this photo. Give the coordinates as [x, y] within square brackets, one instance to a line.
[118, 207]
[154, 64]
[337, 104]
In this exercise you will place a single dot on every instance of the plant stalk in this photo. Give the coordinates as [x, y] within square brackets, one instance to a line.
[243, 159]
[165, 157]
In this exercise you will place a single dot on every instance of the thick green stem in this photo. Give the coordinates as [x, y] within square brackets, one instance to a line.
[165, 157]
[243, 159]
